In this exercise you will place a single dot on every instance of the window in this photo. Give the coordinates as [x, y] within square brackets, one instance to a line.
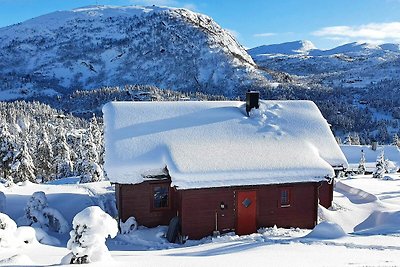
[285, 197]
[160, 196]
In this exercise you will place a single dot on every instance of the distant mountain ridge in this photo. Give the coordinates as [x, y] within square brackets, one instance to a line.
[289, 48]
[364, 79]
[305, 47]
[97, 46]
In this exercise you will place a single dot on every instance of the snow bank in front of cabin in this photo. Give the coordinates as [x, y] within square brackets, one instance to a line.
[326, 230]
[213, 144]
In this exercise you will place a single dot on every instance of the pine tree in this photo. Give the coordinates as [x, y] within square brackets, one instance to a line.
[361, 165]
[96, 131]
[44, 158]
[22, 168]
[347, 140]
[7, 152]
[355, 139]
[62, 162]
[91, 171]
[380, 167]
[396, 141]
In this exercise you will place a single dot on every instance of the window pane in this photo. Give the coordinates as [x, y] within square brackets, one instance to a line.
[160, 197]
[285, 197]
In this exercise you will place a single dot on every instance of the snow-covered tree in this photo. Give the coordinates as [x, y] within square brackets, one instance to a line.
[91, 227]
[38, 214]
[7, 152]
[347, 139]
[63, 163]
[380, 167]
[361, 165]
[95, 129]
[91, 170]
[44, 158]
[355, 139]
[22, 168]
[396, 141]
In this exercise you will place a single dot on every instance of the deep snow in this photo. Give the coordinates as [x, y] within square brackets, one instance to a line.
[362, 229]
[214, 144]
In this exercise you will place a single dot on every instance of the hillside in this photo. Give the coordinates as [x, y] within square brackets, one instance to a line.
[99, 46]
[366, 76]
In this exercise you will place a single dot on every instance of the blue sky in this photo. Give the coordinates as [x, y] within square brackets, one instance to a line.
[327, 23]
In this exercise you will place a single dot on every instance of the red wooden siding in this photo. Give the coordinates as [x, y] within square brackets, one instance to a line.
[326, 194]
[199, 208]
[136, 200]
[200, 205]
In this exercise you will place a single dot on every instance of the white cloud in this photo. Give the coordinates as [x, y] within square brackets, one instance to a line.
[265, 34]
[372, 32]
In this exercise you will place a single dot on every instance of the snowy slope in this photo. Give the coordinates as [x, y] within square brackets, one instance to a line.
[366, 209]
[289, 48]
[98, 46]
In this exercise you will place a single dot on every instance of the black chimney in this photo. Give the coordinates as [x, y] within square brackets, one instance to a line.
[252, 98]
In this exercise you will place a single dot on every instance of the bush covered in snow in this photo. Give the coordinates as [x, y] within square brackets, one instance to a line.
[91, 227]
[38, 214]
[129, 226]
[7, 230]
[11, 236]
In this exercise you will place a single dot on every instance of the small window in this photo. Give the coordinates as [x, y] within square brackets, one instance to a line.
[285, 197]
[160, 196]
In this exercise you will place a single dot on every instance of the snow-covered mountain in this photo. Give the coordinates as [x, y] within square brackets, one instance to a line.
[363, 79]
[374, 62]
[99, 46]
[289, 48]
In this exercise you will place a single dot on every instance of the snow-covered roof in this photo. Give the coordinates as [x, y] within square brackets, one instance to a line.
[353, 155]
[214, 144]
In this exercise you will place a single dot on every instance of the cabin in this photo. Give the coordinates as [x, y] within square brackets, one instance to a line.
[353, 155]
[220, 166]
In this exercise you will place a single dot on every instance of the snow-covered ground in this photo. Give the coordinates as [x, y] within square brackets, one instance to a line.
[368, 211]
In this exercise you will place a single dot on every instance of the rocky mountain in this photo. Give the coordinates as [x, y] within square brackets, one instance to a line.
[99, 46]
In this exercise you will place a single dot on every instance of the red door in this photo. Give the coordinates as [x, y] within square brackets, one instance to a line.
[246, 203]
